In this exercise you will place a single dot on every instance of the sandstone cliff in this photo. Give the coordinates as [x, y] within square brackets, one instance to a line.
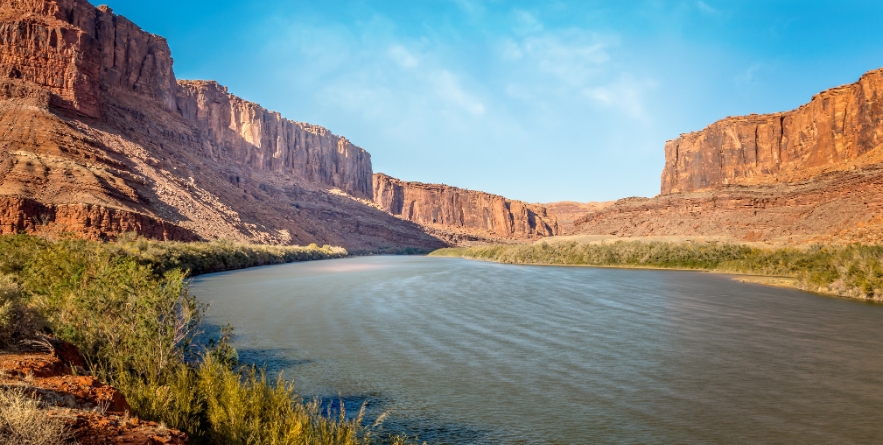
[811, 174]
[839, 129]
[461, 213]
[243, 133]
[97, 136]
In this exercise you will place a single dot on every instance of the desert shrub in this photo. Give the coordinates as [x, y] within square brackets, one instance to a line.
[125, 305]
[24, 422]
[17, 321]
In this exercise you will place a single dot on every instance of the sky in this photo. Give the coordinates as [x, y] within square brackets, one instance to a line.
[535, 100]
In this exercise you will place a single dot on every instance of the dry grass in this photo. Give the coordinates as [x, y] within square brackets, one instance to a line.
[24, 422]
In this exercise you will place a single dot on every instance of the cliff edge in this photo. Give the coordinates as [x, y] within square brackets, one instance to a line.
[838, 129]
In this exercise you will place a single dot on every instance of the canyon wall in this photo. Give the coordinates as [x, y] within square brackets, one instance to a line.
[447, 208]
[98, 137]
[76, 51]
[246, 134]
[837, 130]
[814, 174]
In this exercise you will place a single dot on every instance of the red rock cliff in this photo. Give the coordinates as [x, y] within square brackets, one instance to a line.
[74, 50]
[839, 129]
[444, 207]
[244, 133]
[98, 137]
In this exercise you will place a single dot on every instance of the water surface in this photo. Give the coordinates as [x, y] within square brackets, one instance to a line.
[469, 352]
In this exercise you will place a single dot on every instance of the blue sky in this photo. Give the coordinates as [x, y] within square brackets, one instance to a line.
[535, 100]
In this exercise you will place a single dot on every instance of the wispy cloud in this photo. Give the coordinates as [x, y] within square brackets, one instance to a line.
[525, 22]
[625, 94]
[707, 9]
[401, 56]
[470, 7]
[568, 65]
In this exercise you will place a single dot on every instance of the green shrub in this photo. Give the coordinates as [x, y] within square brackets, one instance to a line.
[854, 270]
[16, 320]
[125, 305]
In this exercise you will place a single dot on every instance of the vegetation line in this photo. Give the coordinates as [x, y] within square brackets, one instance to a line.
[853, 271]
[125, 304]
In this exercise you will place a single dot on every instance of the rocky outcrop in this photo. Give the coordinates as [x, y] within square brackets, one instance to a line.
[98, 137]
[447, 208]
[88, 220]
[246, 134]
[75, 50]
[839, 129]
[94, 413]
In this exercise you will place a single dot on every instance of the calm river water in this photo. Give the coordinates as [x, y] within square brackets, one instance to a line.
[467, 352]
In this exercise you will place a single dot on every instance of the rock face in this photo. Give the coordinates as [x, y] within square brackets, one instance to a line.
[243, 133]
[88, 220]
[97, 137]
[807, 175]
[839, 129]
[75, 50]
[460, 211]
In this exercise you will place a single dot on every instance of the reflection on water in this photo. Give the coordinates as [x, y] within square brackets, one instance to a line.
[469, 352]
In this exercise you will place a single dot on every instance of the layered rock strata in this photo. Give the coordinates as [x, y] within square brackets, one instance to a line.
[97, 137]
[465, 212]
[246, 134]
[807, 175]
[838, 129]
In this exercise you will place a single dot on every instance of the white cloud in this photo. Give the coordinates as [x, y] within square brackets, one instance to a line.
[708, 9]
[470, 7]
[625, 94]
[510, 50]
[749, 74]
[526, 23]
[448, 89]
[573, 62]
[401, 56]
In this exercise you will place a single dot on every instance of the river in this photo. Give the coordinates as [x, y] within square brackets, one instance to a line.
[467, 352]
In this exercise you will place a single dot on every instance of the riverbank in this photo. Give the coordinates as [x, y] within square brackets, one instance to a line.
[126, 306]
[851, 271]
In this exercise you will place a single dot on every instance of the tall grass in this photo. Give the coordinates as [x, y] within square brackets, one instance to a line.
[854, 271]
[126, 305]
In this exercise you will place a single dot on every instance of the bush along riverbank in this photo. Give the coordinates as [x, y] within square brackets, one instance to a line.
[126, 306]
[853, 271]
